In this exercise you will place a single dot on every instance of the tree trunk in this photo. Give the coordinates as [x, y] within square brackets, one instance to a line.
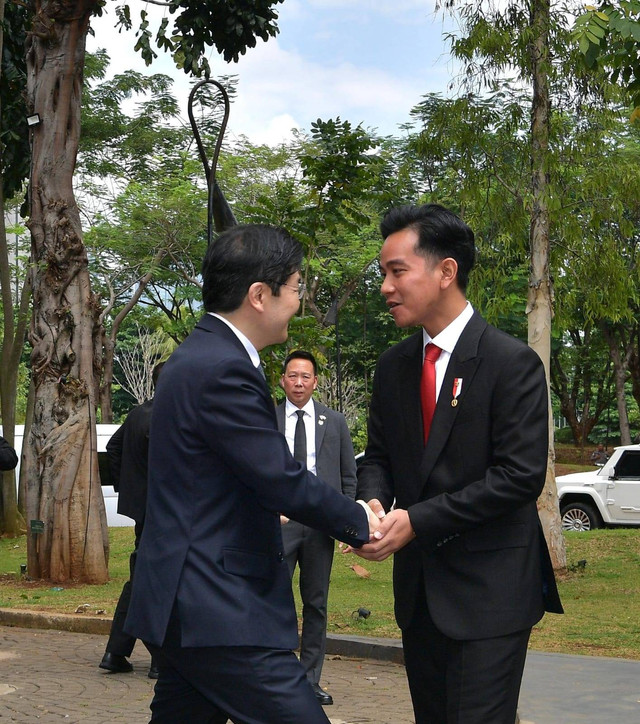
[540, 299]
[63, 483]
[620, 365]
[13, 336]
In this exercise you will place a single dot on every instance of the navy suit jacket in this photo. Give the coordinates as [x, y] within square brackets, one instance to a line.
[220, 474]
[471, 491]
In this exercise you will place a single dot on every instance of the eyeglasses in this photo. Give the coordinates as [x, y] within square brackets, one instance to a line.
[301, 288]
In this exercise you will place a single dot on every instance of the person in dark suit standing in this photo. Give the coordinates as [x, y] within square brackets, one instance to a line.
[128, 452]
[8, 457]
[319, 438]
[472, 572]
[211, 595]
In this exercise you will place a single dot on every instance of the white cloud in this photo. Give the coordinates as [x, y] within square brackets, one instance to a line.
[279, 89]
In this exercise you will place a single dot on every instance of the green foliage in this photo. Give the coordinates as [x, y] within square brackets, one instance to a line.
[15, 152]
[609, 38]
[230, 27]
[114, 144]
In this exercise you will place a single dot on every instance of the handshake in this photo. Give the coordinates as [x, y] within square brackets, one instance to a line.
[388, 533]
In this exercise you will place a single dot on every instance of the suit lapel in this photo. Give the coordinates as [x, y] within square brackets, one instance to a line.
[463, 365]
[320, 426]
[280, 409]
[408, 387]
[209, 323]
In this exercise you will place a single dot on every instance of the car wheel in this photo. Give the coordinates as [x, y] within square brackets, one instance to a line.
[579, 516]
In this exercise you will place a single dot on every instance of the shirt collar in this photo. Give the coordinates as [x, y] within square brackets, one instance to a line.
[290, 409]
[448, 338]
[246, 342]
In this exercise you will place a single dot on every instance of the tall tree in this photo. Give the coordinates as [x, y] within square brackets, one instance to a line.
[63, 481]
[14, 169]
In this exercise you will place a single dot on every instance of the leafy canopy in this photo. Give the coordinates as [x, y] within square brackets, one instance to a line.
[229, 26]
[609, 38]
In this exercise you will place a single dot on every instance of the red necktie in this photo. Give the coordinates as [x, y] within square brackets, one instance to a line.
[428, 387]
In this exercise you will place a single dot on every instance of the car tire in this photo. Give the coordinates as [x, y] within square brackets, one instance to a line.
[580, 517]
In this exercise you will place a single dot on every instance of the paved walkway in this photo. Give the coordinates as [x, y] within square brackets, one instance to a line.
[51, 677]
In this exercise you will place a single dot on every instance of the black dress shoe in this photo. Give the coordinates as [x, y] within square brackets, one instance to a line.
[321, 695]
[153, 671]
[116, 663]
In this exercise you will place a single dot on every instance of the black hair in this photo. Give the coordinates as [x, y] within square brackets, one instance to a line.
[243, 255]
[301, 354]
[441, 234]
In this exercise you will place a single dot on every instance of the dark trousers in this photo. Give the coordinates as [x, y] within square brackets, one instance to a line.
[120, 642]
[313, 552]
[244, 684]
[462, 682]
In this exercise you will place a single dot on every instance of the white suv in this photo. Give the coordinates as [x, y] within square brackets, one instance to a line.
[607, 496]
[104, 433]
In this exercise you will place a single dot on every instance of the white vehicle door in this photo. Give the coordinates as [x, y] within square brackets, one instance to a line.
[623, 495]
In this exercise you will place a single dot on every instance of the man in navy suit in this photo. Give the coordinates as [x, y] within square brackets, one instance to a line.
[327, 450]
[472, 572]
[211, 593]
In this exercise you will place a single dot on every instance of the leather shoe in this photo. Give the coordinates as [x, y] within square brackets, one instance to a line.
[321, 695]
[153, 671]
[115, 663]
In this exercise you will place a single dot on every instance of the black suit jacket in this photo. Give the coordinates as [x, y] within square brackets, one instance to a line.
[220, 474]
[471, 491]
[8, 457]
[128, 452]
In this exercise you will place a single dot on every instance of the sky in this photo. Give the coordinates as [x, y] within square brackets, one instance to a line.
[367, 61]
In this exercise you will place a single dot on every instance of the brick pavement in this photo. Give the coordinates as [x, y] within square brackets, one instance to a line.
[52, 677]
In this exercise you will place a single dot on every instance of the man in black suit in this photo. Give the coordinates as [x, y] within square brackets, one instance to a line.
[211, 594]
[472, 572]
[128, 452]
[8, 457]
[324, 446]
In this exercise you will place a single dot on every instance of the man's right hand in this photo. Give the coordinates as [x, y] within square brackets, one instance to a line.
[375, 513]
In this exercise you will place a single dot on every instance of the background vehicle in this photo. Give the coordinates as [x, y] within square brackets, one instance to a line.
[104, 432]
[608, 496]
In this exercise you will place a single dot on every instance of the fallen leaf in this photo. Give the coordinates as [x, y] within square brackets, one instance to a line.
[360, 571]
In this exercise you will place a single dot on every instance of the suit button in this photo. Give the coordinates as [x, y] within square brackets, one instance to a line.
[350, 530]
[280, 557]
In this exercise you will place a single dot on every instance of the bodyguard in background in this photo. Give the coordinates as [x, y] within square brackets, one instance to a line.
[128, 453]
[318, 437]
[8, 457]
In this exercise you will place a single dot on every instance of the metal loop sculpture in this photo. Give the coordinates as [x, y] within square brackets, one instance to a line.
[219, 213]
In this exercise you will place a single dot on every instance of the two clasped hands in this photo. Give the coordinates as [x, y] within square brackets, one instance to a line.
[388, 532]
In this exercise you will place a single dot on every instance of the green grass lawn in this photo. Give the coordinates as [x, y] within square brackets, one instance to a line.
[600, 600]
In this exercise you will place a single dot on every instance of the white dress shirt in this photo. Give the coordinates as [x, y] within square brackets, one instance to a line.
[309, 418]
[447, 340]
[246, 342]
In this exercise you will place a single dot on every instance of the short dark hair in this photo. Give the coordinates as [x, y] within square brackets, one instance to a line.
[300, 354]
[243, 255]
[441, 234]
